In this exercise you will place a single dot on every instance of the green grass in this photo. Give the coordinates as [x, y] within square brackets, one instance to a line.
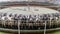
[4, 33]
[57, 32]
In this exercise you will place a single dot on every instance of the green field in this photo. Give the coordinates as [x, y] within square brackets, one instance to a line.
[56, 32]
[4, 33]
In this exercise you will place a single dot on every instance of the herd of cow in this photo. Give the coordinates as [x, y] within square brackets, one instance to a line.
[29, 22]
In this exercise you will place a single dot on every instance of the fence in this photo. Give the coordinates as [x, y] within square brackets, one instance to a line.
[30, 24]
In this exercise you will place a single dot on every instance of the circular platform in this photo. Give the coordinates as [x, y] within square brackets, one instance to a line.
[33, 10]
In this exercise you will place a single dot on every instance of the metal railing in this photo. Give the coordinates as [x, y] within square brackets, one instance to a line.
[32, 25]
